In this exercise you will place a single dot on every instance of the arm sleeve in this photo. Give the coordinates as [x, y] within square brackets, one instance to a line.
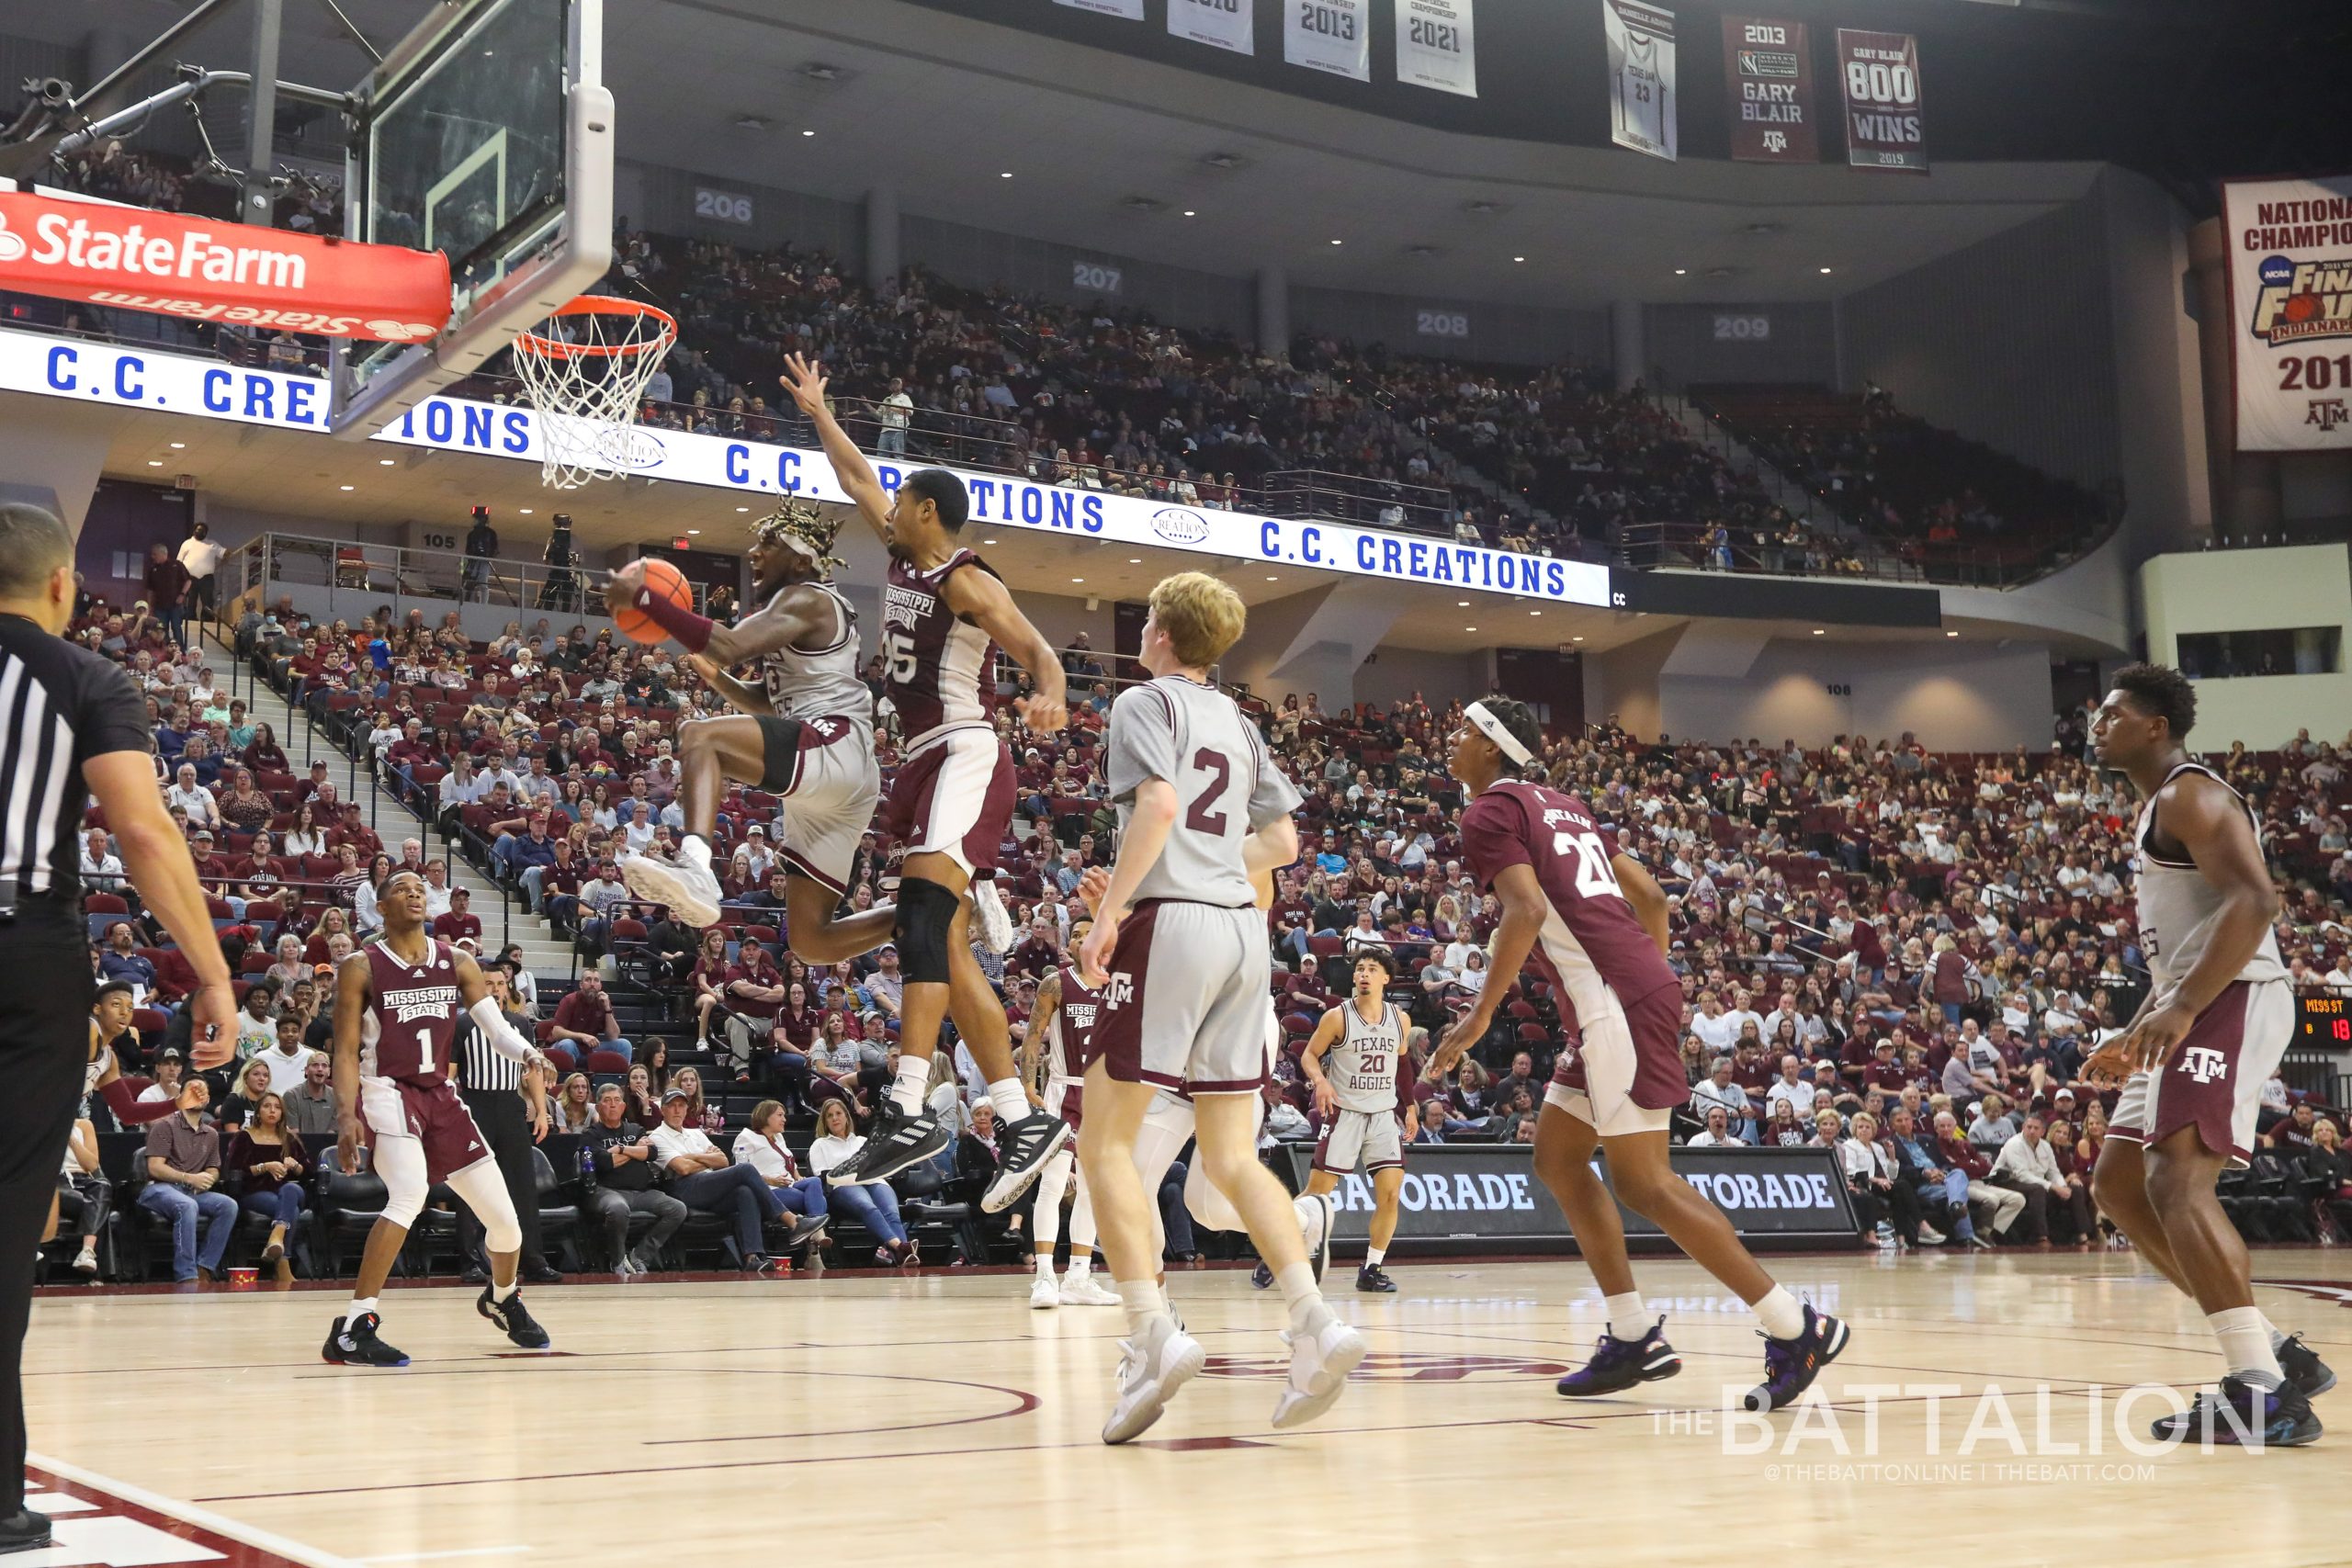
[1143, 741]
[502, 1035]
[129, 1110]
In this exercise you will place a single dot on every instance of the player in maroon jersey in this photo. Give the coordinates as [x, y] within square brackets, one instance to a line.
[1594, 924]
[951, 801]
[396, 1010]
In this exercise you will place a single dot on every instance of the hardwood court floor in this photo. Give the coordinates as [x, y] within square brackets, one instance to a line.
[935, 1417]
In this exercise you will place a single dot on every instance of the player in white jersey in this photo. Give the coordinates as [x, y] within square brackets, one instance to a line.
[805, 732]
[1354, 1060]
[1179, 950]
[1060, 1040]
[2193, 1060]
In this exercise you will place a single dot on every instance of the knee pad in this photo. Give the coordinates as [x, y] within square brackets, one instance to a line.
[926, 915]
[401, 1205]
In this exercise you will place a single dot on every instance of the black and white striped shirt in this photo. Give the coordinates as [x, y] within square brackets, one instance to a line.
[60, 705]
[481, 1066]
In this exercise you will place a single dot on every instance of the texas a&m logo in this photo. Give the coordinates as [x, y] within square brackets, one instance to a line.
[1116, 990]
[2204, 1063]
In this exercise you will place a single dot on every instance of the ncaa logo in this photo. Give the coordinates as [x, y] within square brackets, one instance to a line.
[1179, 527]
[1117, 989]
[2276, 270]
[2204, 1063]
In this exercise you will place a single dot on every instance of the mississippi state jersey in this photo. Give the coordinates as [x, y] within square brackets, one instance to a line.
[1227, 786]
[1363, 1064]
[411, 1015]
[820, 683]
[2179, 904]
[1069, 1038]
[935, 660]
[1590, 938]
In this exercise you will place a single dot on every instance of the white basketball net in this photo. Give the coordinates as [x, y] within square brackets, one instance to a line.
[586, 369]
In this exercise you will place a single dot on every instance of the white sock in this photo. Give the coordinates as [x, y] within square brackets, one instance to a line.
[1012, 1105]
[914, 1076]
[1045, 1265]
[1308, 1311]
[1079, 1264]
[2245, 1335]
[2276, 1339]
[1781, 1313]
[499, 1292]
[1373, 1255]
[360, 1307]
[1143, 1301]
[695, 850]
[1628, 1319]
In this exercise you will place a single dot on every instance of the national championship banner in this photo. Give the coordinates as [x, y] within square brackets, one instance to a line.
[1437, 46]
[1768, 65]
[1885, 127]
[2289, 260]
[1641, 76]
[1224, 24]
[1130, 10]
[199, 269]
[1487, 1194]
[1330, 35]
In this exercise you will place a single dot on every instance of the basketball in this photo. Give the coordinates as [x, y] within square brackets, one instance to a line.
[668, 582]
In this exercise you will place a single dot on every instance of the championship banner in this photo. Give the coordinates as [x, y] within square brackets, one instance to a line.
[1222, 24]
[1488, 1194]
[1330, 35]
[1768, 64]
[1885, 128]
[1641, 76]
[2288, 256]
[133, 258]
[1437, 46]
[1130, 10]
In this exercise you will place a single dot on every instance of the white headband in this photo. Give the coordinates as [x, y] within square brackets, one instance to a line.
[1492, 729]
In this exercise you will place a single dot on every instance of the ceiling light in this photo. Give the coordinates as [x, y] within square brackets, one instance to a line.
[1818, 632]
[1951, 634]
[1469, 628]
[1825, 272]
[179, 445]
[1188, 212]
[1006, 176]
[1339, 241]
[1462, 603]
[808, 134]
[742, 509]
[525, 511]
[693, 530]
[1535, 611]
[988, 543]
[1680, 270]
[1134, 560]
[350, 487]
[154, 462]
[1518, 258]
[1077, 580]
[385, 462]
[1576, 639]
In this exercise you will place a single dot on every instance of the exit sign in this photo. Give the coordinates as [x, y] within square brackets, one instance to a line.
[681, 543]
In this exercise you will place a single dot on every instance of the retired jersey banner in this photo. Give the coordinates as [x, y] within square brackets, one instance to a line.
[1885, 128]
[1131, 9]
[2288, 258]
[1768, 64]
[1329, 35]
[1437, 46]
[1641, 76]
[1224, 23]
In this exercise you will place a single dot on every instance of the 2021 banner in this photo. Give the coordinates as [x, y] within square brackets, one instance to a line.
[1437, 46]
[2288, 254]
[1768, 67]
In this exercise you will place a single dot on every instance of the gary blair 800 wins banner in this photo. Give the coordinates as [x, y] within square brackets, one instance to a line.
[1885, 128]
[2289, 255]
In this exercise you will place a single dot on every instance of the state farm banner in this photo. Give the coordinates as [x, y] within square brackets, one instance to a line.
[1224, 23]
[1330, 35]
[1437, 46]
[2289, 260]
[1641, 76]
[1130, 10]
[133, 258]
[1885, 127]
[1768, 65]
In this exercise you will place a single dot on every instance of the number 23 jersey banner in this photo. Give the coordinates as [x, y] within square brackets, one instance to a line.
[2288, 254]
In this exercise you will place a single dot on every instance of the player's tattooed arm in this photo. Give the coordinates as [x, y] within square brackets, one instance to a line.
[806, 380]
[801, 614]
[1033, 1039]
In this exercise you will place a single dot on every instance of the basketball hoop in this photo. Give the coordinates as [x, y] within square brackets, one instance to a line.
[586, 369]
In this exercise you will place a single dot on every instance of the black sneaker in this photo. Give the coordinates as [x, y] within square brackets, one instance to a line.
[1262, 1278]
[2243, 1416]
[542, 1273]
[1790, 1365]
[354, 1344]
[1028, 1144]
[1374, 1280]
[514, 1319]
[24, 1531]
[803, 1229]
[1619, 1364]
[2306, 1373]
[758, 1263]
[898, 1141]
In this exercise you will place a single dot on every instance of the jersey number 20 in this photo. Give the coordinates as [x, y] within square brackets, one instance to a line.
[1595, 876]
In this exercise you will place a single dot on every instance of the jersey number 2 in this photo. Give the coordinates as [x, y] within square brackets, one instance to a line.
[1595, 876]
[1200, 818]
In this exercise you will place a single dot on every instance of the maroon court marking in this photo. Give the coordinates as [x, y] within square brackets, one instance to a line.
[106, 1503]
[1199, 1445]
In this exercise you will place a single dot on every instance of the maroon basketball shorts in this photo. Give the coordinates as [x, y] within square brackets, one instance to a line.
[433, 1115]
[1626, 1075]
[954, 796]
[2214, 1080]
[1066, 1098]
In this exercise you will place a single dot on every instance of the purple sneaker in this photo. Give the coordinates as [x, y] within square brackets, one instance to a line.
[1790, 1365]
[1621, 1363]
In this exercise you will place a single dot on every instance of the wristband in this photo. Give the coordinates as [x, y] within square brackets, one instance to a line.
[681, 622]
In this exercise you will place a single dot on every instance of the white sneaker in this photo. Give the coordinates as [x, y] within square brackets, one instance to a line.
[1045, 1293]
[1152, 1367]
[1319, 1364]
[86, 1261]
[691, 891]
[1086, 1291]
[1930, 1236]
[996, 925]
[1314, 1213]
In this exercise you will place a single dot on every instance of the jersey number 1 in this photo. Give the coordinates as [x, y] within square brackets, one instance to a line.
[1595, 876]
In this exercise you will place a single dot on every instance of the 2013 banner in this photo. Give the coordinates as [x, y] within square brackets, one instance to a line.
[1334, 35]
[1222, 24]
[1642, 103]
[1437, 46]
[1768, 65]
[2288, 256]
[1885, 127]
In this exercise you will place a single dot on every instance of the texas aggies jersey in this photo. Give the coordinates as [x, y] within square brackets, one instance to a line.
[1070, 1037]
[935, 660]
[1641, 92]
[2179, 904]
[1590, 939]
[822, 682]
[411, 1019]
[1364, 1064]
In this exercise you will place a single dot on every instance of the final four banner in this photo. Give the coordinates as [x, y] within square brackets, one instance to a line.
[1329, 35]
[2288, 259]
[1641, 76]
[1131, 9]
[1437, 46]
[1886, 126]
[1224, 24]
[1768, 65]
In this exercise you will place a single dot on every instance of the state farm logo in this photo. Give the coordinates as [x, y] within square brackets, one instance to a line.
[1179, 527]
[76, 242]
[2301, 300]
[2204, 1063]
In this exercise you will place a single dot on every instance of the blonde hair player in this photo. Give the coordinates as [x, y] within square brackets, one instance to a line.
[1061, 1035]
[1179, 952]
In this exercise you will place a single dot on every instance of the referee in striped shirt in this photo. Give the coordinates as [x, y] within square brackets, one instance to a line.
[510, 1107]
[71, 726]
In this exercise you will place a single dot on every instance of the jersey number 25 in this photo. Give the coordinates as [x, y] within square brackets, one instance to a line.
[1595, 876]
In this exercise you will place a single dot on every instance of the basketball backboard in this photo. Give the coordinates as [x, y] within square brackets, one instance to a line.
[487, 134]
